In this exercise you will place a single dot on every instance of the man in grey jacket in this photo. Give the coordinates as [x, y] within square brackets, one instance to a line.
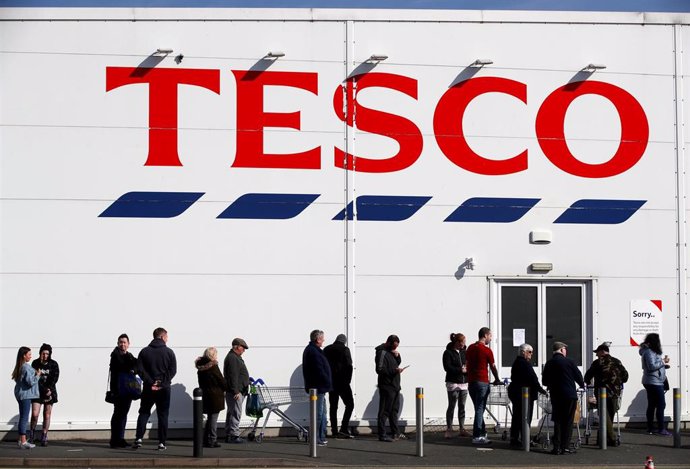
[237, 378]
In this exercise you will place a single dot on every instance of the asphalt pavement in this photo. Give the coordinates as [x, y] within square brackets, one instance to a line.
[364, 451]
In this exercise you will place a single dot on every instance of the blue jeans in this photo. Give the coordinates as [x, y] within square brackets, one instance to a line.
[321, 411]
[24, 413]
[479, 393]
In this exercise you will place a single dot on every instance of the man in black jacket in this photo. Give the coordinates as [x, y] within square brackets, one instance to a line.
[388, 371]
[560, 375]
[340, 361]
[317, 375]
[522, 375]
[157, 367]
[237, 380]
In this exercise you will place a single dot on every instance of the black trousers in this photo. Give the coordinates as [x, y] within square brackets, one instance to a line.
[516, 422]
[389, 407]
[161, 399]
[118, 421]
[563, 415]
[343, 392]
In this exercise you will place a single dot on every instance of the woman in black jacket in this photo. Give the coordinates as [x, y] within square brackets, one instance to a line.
[213, 389]
[455, 364]
[522, 375]
[50, 373]
[121, 362]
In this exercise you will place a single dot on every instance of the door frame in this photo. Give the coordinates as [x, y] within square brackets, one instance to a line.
[590, 314]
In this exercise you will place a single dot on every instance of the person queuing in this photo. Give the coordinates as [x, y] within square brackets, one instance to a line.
[213, 388]
[157, 366]
[653, 379]
[237, 385]
[455, 365]
[50, 373]
[25, 389]
[317, 375]
[522, 375]
[388, 369]
[121, 363]
[340, 361]
[608, 372]
[480, 359]
[559, 376]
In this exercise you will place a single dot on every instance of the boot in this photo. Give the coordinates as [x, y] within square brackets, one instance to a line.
[30, 436]
[44, 439]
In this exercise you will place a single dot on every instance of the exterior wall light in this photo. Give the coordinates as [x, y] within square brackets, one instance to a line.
[541, 267]
[481, 62]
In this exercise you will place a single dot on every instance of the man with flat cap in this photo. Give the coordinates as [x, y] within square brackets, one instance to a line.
[237, 379]
[560, 375]
[608, 372]
[340, 360]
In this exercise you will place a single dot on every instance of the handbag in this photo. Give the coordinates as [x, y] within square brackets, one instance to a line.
[109, 395]
[129, 386]
[666, 385]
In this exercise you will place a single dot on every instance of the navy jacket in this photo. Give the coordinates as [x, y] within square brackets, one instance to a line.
[316, 370]
[157, 363]
[560, 375]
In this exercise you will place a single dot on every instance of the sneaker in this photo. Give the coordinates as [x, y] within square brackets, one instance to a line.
[400, 436]
[344, 434]
[212, 444]
[138, 443]
[27, 445]
[162, 447]
[322, 443]
[664, 433]
[481, 440]
[386, 438]
[236, 440]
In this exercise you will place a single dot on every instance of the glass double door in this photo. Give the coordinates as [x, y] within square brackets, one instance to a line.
[542, 313]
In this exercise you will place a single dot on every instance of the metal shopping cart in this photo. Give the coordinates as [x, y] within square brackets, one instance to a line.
[544, 437]
[272, 398]
[593, 413]
[498, 396]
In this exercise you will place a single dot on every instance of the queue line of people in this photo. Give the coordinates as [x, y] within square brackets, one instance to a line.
[330, 371]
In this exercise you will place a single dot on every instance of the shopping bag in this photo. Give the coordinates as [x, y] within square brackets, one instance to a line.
[253, 407]
[129, 386]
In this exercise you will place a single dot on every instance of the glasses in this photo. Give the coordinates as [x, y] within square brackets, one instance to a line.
[528, 351]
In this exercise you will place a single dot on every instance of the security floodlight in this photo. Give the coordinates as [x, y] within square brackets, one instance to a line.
[164, 51]
[377, 58]
[593, 67]
[481, 62]
[275, 54]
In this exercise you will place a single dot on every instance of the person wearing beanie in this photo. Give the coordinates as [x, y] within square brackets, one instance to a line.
[340, 360]
[47, 392]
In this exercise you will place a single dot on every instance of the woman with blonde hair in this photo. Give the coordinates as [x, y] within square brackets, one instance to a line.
[25, 389]
[213, 389]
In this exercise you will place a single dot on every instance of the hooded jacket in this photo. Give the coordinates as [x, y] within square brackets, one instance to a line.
[157, 362]
[387, 368]
[212, 385]
[653, 367]
[453, 359]
[340, 361]
[50, 373]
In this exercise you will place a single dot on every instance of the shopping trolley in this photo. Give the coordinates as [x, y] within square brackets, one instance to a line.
[272, 398]
[593, 413]
[544, 437]
[498, 396]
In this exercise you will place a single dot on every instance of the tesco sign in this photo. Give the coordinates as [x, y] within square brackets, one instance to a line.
[163, 84]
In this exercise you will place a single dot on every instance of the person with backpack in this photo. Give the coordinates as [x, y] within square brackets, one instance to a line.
[608, 372]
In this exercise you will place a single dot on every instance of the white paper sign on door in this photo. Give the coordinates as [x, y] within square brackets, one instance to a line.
[518, 337]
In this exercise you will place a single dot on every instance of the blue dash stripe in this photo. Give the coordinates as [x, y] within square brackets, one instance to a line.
[491, 210]
[151, 204]
[383, 208]
[600, 212]
[268, 206]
